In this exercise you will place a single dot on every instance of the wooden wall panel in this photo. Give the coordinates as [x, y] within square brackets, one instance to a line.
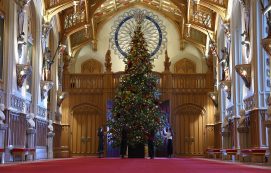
[180, 89]
[41, 135]
[217, 136]
[189, 125]
[16, 129]
[84, 124]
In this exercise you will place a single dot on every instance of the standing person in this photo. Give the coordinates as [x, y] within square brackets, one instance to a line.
[168, 135]
[100, 142]
[123, 145]
[151, 144]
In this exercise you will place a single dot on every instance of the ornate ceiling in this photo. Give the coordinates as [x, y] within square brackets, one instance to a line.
[196, 20]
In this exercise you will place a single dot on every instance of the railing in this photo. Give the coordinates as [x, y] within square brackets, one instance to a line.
[86, 81]
[187, 81]
[96, 81]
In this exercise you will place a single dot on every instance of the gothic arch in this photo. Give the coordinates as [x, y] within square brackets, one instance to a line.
[185, 66]
[190, 108]
[86, 105]
[91, 66]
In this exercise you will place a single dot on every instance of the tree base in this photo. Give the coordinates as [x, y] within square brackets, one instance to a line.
[136, 151]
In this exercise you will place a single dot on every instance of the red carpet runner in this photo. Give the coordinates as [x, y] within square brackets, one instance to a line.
[108, 165]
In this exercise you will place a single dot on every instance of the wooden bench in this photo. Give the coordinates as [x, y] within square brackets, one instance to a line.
[255, 155]
[2, 154]
[213, 153]
[228, 153]
[23, 153]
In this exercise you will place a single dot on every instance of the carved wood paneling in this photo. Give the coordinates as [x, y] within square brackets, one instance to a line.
[57, 131]
[189, 131]
[185, 66]
[96, 89]
[17, 126]
[91, 66]
[41, 135]
[84, 125]
[217, 136]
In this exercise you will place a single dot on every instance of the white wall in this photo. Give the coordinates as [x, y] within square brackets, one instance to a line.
[173, 46]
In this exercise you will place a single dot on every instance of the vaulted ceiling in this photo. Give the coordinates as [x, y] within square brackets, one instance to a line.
[196, 20]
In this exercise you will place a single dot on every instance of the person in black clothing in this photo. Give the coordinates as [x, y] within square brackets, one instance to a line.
[151, 144]
[168, 134]
[100, 142]
[123, 145]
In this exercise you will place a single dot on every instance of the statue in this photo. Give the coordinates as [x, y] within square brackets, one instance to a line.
[2, 115]
[108, 64]
[50, 126]
[242, 119]
[47, 63]
[30, 120]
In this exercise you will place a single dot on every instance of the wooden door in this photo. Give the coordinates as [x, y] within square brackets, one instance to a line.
[189, 132]
[84, 125]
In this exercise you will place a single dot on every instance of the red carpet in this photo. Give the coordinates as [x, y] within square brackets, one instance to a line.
[95, 165]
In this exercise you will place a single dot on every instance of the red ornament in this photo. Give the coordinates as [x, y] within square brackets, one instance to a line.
[129, 63]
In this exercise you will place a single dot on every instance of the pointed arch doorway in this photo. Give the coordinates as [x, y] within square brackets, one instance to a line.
[85, 121]
[189, 130]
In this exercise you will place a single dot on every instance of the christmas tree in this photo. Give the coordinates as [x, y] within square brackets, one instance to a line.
[136, 104]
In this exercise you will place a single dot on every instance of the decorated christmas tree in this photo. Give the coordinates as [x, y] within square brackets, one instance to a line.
[136, 104]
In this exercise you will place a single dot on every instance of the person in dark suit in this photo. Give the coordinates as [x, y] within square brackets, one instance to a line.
[100, 142]
[151, 144]
[123, 144]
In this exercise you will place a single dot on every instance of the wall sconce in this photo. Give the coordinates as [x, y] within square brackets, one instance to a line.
[60, 97]
[244, 70]
[45, 86]
[226, 85]
[214, 98]
[22, 72]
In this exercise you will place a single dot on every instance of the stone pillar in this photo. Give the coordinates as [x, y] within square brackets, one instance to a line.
[50, 140]
[3, 128]
[30, 140]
